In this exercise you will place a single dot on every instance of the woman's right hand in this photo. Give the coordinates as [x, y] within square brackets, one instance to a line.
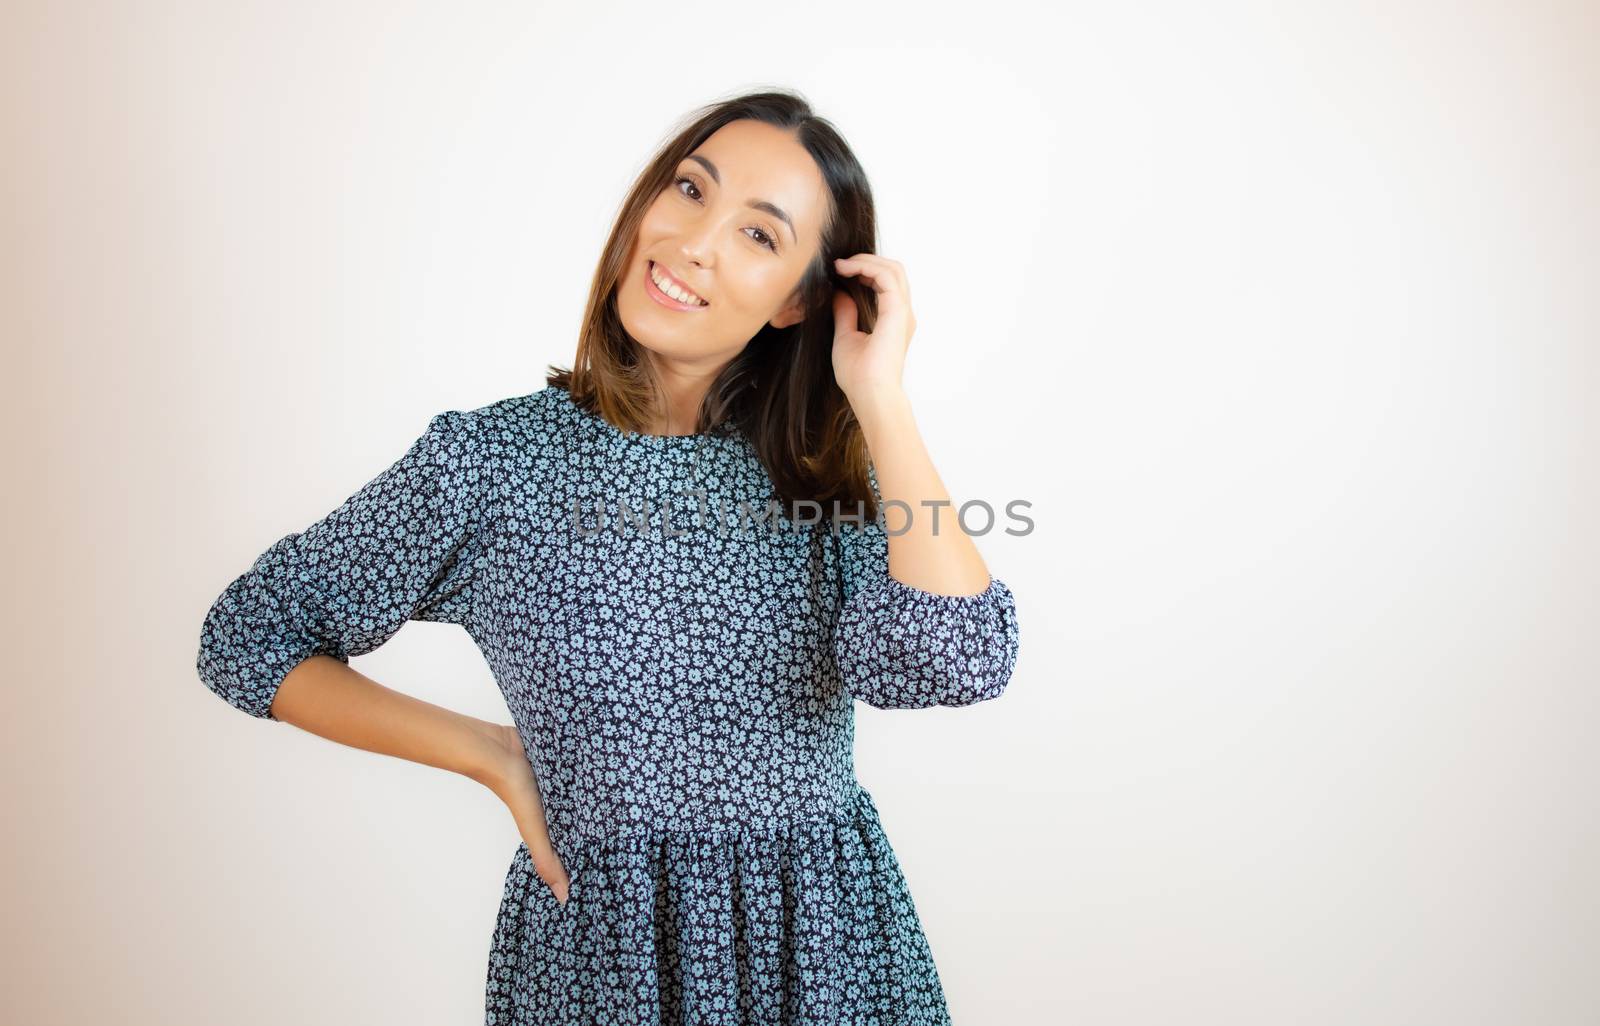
[511, 778]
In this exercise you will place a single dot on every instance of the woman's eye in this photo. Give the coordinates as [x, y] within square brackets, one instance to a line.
[769, 242]
[690, 183]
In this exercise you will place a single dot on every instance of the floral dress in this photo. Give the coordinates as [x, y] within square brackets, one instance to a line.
[681, 661]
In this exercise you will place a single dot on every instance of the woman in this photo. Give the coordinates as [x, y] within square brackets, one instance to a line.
[641, 552]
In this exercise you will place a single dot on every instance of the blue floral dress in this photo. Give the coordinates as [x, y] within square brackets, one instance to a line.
[680, 660]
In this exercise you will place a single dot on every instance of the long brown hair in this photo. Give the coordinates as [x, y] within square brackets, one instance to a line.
[780, 390]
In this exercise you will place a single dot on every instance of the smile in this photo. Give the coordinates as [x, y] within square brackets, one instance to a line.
[657, 282]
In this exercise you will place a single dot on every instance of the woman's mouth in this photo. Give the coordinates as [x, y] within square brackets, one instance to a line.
[658, 292]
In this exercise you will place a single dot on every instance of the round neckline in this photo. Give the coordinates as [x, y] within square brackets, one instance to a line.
[704, 438]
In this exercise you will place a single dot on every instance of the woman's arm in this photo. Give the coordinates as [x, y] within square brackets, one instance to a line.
[336, 701]
[923, 622]
[933, 553]
[407, 546]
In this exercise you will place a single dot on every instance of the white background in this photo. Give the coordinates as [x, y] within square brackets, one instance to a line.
[1283, 317]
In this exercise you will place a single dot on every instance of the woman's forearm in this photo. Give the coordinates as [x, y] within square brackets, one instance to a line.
[333, 700]
[943, 560]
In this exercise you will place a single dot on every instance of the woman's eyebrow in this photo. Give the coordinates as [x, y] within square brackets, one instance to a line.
[771, 208]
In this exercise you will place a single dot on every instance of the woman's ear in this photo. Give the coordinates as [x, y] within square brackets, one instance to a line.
[793, 312]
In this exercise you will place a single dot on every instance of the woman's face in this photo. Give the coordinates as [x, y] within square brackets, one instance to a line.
[737, 227]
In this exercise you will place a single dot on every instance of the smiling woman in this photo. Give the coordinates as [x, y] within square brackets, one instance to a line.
[745, 208]
[696, 846]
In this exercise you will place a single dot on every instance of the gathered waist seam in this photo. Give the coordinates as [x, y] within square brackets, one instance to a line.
[581, 847]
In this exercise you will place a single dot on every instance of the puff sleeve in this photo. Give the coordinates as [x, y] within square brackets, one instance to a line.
[899, 647]
[404, 547]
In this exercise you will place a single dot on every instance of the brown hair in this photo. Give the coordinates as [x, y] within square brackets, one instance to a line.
[780, 389]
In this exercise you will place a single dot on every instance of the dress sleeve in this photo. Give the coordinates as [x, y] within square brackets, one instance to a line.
[899, 647]
[403, 547]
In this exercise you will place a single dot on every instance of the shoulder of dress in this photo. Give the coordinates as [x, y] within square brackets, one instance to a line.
[532, 415]
[515, 430]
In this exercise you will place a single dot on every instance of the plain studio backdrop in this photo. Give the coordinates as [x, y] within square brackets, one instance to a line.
[1283, 318]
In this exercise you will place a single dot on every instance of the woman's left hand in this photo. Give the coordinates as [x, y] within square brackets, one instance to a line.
[864, 364]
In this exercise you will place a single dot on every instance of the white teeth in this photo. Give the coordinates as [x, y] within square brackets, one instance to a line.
[665, 285]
